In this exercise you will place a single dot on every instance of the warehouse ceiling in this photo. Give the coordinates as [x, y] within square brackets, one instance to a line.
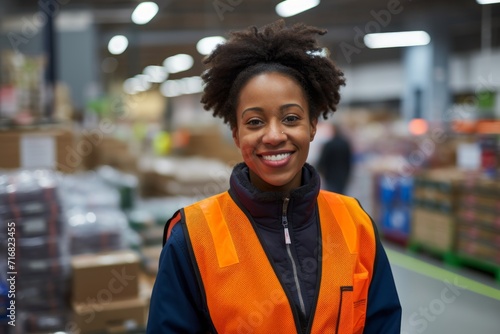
[181, 23]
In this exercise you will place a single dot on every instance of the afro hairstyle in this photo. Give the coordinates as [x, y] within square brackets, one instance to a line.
[293, 51]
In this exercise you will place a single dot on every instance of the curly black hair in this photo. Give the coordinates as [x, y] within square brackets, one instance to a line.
[293, 51]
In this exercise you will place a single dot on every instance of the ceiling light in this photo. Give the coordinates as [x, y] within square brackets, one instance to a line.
[487, 2]
[130, 86]
[178, 63]
[143, 83]
[137, 84]
[192, 85]
[118, 44]
[155, 74]
[292, 7]
[170, 88]
[144, 12]
[206, 45]
[397, 39]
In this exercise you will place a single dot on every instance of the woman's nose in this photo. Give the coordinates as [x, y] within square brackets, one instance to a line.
[274, 134]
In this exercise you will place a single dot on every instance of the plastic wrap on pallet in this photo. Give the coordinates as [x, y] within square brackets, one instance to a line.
[31, 199]
[96, 231]
[28, 186]
[52, 321]
[88, 191]
[126, 184]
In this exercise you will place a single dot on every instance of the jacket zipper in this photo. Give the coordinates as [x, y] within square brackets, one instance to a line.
[288, 242]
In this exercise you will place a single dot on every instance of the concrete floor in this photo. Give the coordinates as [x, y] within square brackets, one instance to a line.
[437, 299]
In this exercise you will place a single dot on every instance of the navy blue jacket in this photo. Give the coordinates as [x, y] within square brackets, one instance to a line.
[177, 300]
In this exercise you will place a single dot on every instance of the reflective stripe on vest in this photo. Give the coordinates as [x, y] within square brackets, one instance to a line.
[243, 293]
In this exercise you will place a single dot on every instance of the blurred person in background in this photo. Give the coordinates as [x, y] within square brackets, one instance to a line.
[274, 253]
[335, 161]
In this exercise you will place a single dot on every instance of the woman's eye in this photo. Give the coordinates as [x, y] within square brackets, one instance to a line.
[291, 119]
[254, 122]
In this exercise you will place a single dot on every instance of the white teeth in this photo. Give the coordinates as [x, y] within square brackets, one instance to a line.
[276, 157]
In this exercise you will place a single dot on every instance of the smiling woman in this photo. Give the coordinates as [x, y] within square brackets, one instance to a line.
[274, 246]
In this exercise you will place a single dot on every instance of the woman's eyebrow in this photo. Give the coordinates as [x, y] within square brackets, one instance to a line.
[258, 109]
[290, 105]
[283, 108]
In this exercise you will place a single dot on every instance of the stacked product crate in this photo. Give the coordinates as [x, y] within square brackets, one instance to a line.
[478, 222]
[30, 200]
[434, 211]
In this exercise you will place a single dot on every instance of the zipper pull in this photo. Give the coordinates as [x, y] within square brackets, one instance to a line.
[284, 221]
[288, 241]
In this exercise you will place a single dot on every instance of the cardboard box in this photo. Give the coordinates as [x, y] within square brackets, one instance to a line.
[117, 316]
[51, 148]
[105, 277]
[433, 229]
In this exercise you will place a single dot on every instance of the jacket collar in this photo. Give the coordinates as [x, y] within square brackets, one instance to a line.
[266, 207]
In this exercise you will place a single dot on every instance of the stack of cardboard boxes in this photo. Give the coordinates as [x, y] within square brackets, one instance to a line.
[40, 147]
[435, 206]
[478, 221]
[105, 293]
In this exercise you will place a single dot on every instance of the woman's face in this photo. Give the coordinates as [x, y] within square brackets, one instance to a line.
[273, 130]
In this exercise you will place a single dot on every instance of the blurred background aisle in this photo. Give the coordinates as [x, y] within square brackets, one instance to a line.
[103, 138]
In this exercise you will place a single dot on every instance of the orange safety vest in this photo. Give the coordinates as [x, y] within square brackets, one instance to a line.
[242, 290]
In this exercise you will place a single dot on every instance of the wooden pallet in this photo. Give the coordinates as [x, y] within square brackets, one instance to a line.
[486, 266]
[455, 259]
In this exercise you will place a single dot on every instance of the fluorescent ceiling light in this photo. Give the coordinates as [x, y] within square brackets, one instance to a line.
[397, 39]
[178, 63]
[190, 85]
[118, 44]
[137, 84]
[156, 74]
[170, 88]
[487, 2]
[130, 86]
[206, 45]
[143, 83]
[292, 7]
[144, 12]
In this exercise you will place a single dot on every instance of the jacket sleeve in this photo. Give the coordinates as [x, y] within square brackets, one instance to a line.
[176, 303]
[383, 314]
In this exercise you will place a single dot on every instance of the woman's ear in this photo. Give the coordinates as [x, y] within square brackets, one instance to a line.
[314, 123]
[236, 137]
